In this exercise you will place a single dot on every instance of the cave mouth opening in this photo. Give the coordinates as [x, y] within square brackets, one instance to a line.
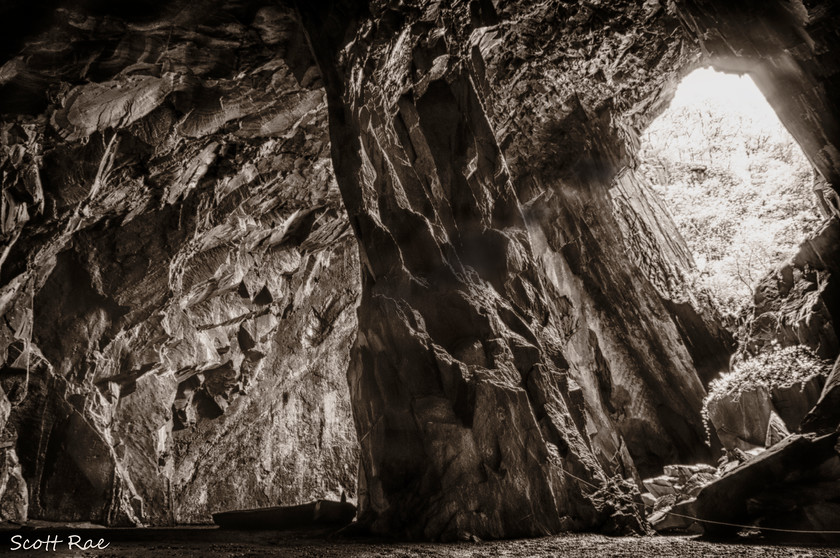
[738, 186]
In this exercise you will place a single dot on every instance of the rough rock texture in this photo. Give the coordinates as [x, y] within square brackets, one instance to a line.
[744, 419]
[521, 316]
[793, 306]
[666, 493]
[179, 281]
[825, 415]
[789, 50]
[14, 498]
[795, 485]
[478, 146]
[740, 420]
[796, 304]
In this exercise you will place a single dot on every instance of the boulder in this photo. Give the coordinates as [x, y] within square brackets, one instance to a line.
[677, 518]
[776, 430]
[825, 416]
[649, 500]
[767, 393]
[320, 514]
[793, 485]
[791, 403]
[695, 484]
[741, 419]
[620, 508]
[662, 485]
[676, 490]
[685, 472]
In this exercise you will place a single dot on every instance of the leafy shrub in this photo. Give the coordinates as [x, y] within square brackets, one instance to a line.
[776, 367]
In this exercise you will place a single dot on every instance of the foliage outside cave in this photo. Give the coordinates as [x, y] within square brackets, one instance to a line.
[737, 184]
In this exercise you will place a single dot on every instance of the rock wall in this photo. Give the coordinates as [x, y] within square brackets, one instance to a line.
[789, 342]
[179, 280]
[179, 284]
[517, 345]
[788, 48]
[796, 304]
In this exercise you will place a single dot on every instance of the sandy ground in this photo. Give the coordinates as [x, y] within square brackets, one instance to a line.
[176, 543]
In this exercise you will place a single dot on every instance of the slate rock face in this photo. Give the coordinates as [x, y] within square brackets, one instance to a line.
[14, 498]
[792, 305]
[824, 417]
[744, 418]
[516, 344]
[791, 312]
[507, 257]
[179, 280]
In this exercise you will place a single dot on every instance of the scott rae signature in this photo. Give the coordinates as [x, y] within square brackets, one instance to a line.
[52, 543]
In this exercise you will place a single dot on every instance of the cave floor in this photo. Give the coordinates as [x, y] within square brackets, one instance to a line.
[211, 542]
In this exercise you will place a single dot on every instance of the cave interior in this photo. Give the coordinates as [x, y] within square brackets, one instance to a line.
[264, 252]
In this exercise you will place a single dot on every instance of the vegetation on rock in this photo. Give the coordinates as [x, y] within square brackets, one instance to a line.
[778, 367]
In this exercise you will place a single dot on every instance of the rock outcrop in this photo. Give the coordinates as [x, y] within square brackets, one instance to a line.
[791, 490]
[824, 417]
[788, 344]
[793, 304]
[765, 395]
[679, 484]
[179, 277]
[523, 333]
[788, 50]
[779, 385]
[477, 146]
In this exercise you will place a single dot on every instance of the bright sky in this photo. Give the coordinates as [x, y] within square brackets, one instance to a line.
[731, 91]
[709, 104]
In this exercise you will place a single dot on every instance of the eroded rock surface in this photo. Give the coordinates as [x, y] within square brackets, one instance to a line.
[747, 415]
[788, 344]
[824, 417]
[179, 278]
[544, 338]
[792, 487]
[796, 304]
[787, 48]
